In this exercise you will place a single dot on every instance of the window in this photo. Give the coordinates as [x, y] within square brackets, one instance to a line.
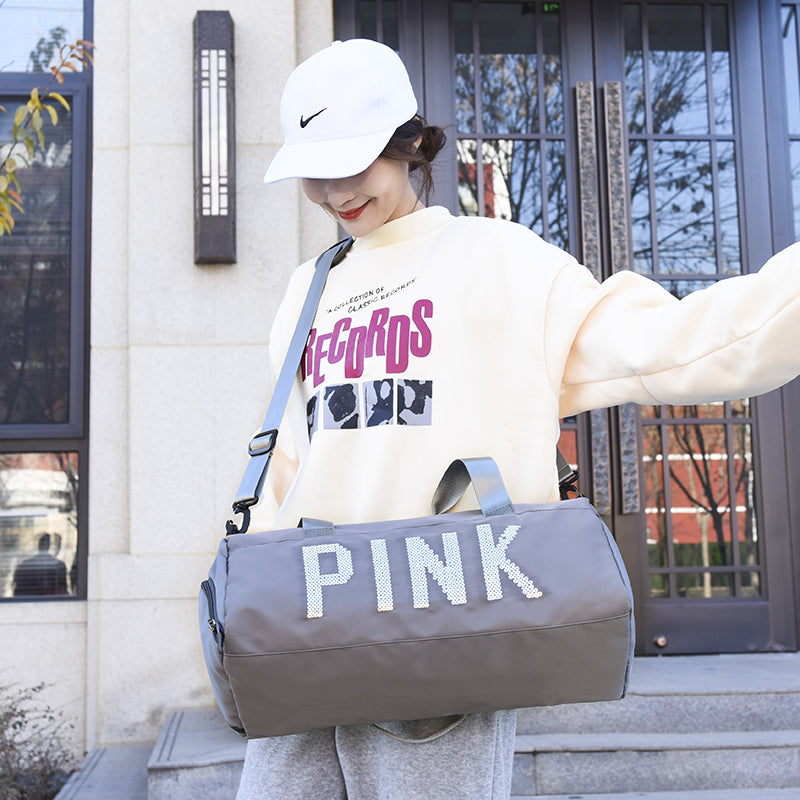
[510, 114]
[43, 316]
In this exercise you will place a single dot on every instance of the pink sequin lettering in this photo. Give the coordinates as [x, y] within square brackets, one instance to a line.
[394, 338]
[354, 357]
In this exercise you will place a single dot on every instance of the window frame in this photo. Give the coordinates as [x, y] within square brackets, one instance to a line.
[72, 435]
[76, 90]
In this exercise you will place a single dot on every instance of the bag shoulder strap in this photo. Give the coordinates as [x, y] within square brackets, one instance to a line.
[263, 443]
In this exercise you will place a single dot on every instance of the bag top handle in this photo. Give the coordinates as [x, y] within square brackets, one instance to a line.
[484, 476]
[482, 473]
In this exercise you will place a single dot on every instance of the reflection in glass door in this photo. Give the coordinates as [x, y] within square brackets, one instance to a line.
[683, 185]
[702, 534]
[510, 115]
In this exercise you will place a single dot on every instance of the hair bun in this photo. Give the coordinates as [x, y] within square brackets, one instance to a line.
[433, 140]
[416, 143]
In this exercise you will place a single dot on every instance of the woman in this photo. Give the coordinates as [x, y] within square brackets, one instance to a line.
[439, 338]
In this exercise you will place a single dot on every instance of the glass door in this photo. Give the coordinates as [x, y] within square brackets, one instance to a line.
[627, 133]
[709, 535]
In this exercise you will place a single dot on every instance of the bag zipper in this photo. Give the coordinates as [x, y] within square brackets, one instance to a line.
[214, 625]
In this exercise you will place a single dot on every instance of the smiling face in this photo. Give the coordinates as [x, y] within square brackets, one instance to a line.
[361, 203]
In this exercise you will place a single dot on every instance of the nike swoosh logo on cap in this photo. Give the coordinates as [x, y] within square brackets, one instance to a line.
[304, 122]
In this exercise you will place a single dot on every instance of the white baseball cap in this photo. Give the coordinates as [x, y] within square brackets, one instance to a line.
[339, 109]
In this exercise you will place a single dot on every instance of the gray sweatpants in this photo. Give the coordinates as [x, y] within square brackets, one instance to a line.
[358, 762]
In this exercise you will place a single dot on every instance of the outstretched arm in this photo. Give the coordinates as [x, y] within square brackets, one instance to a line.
[632, 341]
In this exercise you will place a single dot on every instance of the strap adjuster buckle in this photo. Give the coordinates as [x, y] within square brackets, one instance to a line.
[231, 527]
[259, 448]
[569, 483]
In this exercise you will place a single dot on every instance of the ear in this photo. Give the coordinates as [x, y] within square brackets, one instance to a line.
[418, 143]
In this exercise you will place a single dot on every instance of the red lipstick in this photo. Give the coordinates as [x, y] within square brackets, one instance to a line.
[354, 214]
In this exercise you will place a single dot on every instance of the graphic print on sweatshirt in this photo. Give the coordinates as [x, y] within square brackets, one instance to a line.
[385, 341]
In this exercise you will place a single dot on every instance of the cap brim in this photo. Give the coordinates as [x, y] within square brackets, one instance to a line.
[332, 158]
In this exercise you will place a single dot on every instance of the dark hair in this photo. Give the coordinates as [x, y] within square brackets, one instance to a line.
[403, 147]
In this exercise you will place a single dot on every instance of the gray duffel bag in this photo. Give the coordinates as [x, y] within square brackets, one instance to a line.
[505, 607]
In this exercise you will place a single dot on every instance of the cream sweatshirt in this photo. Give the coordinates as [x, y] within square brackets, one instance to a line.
[442, 337]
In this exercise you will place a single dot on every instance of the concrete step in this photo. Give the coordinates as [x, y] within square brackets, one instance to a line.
[197, 755]
[692, 713]
[110, 773]
[694, 694]
[712, 794]
[571, 764]
[692, 728]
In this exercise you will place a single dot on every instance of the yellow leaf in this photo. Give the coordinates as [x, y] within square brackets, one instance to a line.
[3, 183]
[41, 138]
[20, 114]
[15, 196]
[52, 112]
[60, 98]
[11, 165]
[36, 120]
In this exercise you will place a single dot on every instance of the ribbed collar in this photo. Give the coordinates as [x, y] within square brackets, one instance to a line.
[404, 229]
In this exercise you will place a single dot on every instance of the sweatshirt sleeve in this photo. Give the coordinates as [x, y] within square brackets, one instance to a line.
[630, 340]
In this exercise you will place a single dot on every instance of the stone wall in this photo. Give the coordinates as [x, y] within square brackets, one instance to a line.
[178, 360]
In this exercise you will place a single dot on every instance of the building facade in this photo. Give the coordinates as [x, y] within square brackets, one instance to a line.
[660, 137]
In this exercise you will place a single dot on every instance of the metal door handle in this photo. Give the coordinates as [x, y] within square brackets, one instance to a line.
[620, 238]
[590, 230]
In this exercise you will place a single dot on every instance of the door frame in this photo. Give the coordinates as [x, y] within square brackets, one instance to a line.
[769, 622]
[590, 31]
